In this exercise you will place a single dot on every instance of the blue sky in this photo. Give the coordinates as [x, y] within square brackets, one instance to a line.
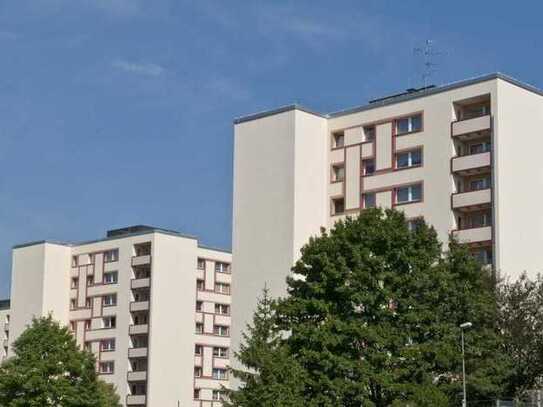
[119, 112]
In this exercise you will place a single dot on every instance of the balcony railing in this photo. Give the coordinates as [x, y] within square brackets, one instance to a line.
[135, 400]
[138, 329]
[479, 198]
[471, 163]
[141, 260]
[137, 376]
[137, 352]
[139, 306]
[475, 125]
[474, 235]
[140, 283]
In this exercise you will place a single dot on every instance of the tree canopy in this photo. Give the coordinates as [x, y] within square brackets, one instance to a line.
[372, 318]
[48, 369]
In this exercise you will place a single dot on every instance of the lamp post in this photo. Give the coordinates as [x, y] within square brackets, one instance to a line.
[465, 325]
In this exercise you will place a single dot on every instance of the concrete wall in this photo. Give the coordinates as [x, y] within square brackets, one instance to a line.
[518, 180]
[171, 339]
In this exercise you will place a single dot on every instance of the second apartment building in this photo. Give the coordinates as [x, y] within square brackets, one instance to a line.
[152, 305]
[464, 156]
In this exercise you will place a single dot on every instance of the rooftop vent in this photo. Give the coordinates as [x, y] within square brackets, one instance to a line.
[129, 230]
[409, 91]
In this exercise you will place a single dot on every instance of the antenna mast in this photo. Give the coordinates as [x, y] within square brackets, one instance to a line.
[428, 54]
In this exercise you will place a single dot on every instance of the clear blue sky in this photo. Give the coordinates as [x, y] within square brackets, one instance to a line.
[119, 112]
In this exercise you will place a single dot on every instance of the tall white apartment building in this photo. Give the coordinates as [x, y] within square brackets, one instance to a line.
[153, 306]
[466, 157]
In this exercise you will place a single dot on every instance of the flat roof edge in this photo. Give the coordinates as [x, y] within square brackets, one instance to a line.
[215, 249]
[37, 242]
[272, 112]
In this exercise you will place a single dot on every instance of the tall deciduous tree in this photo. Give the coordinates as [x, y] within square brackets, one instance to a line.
[373, 313]
[521, 322]
[48, 369]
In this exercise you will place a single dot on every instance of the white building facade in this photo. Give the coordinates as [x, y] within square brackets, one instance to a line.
[465, 157]
[152, 305]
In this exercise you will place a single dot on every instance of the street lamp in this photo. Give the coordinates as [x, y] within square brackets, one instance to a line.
[465, 325]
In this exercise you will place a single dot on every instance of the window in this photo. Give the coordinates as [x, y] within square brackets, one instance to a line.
[88, 346]
[200, 285]
[219, 374]
[409, 124]
[221, 330]
[90, 280]
[480, 183]
[197, 371]
[91, 258]
[338, 139]
[368, 167]
[88, 302]
[368, 200]
[111, 277]
[409, 159]
[72, 326]
[217, 395]
[479, 148]
[483, 256]
[75, 282]
[199, 306]
[109, 300]
[87, 324]
[75, 261]
[414, 224]
[107, 345]
[338, 173]
[109, 322]
[411, 193]
[338, 206]
[106, 367]
[198, 349]
[222, 288]
[142, 249]
[220, 352]
[479, 219]
[369, 133]
[201, 264]
[73, 304]
[196, 394]
[111, 255]
[222, 267]
[199, 328]
[222, 309]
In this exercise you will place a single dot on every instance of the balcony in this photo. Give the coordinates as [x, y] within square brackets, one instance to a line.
[6, 326]
[471, 164]
[137, 376]
[139, 306]
[135, 400]
[140, 283]
[141, 260]
[476, 126]
[472, 199]
[137, 352]
[474, 235]
[138, 329]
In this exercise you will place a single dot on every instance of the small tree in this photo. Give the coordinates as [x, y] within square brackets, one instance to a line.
[521, 322]
[271, 378]
[48, 369]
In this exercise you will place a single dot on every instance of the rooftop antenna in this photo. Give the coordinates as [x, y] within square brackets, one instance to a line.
[428, 54]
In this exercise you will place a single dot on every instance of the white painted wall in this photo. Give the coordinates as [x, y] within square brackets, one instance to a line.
[518, 128]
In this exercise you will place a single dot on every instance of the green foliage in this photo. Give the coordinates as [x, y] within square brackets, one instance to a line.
[521, 321]
[373, 316]
[48, 369]
[272, 378]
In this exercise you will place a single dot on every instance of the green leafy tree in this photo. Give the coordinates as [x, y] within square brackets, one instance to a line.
[372, 318]
[271, 378]
[48, 369]
[521, 322]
